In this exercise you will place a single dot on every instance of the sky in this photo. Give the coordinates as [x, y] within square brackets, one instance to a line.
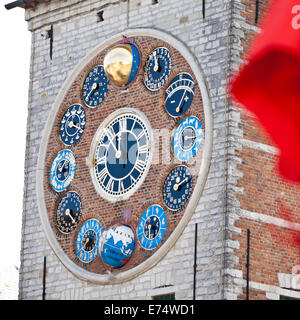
[14, 81]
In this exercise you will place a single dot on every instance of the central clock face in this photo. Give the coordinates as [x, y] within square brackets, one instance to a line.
[122, 169]
[122, 155]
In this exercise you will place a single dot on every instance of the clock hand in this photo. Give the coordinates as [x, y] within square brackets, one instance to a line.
[60, 169]
[155, 68]
[125, 153]
[189, 137]
[180, 107]
[94, 86]
[86, 242]
[182, 183]
[68, 213]
[111, 141]
[118, 152]
[72, 125]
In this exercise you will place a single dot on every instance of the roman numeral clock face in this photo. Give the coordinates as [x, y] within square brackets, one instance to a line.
[119, 167]
[122, 155]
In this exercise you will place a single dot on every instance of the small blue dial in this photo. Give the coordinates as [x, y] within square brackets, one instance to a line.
[87, 240]
[122, 154]
[62, 170]
[179, 94]
[69, 212]
[177, 187]
[157, 68]
[72, 124]
[95, 87]
[187, 138]
[152, 227]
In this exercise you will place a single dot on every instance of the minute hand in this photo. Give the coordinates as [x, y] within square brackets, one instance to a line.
[182, 183]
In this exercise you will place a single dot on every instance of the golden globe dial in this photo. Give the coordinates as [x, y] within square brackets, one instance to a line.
[118, 63]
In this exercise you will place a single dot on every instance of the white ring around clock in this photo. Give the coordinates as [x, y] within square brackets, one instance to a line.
[94, 144]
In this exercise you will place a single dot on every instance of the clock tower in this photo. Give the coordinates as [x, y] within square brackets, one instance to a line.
[140, 166]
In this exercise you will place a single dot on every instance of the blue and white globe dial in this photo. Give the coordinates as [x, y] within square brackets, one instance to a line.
[152, 227]
[117, 245]
[95, 87]
[179, 94]
[187, 138]
[157, 68]
[177, 187]
[72, 124]
[87, 240]
[69, 212]
[122, 155]
[62, 170]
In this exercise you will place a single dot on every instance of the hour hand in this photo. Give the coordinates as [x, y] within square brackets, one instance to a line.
[94, 87]
[156, 66]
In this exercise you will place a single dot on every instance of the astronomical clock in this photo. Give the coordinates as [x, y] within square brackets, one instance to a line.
[124, 157]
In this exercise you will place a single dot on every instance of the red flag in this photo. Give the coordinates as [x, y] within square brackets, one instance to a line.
[269, 84]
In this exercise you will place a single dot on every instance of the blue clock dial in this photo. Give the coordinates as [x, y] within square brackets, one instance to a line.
[122, 154]
[69, 212]
[152, 227]
[179, 94]
[87, 240]
[157, 68]
[62, 170]
[72, 124]
[177, 187]
[95, 87]
[187, 138]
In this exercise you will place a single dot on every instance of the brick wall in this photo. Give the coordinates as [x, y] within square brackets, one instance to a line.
[265, 202]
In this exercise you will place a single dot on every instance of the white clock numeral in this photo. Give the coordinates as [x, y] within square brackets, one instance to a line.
[110, 184]
[101, 160]
[132, 180]
[102, 174]
[110, 133]
[123, 124]
[139, 165]
[140, 135]
[143, 149]
[121, 186]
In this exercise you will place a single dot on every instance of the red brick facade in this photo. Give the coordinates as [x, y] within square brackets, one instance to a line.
[273, 248]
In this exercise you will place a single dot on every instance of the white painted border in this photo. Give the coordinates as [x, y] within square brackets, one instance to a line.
[202, 175]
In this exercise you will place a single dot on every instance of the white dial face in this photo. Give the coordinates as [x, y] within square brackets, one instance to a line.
[122, 155]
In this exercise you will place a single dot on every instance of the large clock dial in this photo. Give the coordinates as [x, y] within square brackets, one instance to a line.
[152, 227]
[69, 212]
[122, 155]
[157, 68]
[179, 94]
[95, 87]
[132, 142]
[72, 124]
[177, 187]
[62, 170]
[87, 240]
[187, 138]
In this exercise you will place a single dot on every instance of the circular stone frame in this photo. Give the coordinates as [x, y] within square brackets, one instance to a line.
[201, 179]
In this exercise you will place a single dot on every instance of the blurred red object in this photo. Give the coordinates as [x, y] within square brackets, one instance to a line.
[269, 84]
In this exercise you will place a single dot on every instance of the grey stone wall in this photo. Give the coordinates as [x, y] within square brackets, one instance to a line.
[77, 30]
